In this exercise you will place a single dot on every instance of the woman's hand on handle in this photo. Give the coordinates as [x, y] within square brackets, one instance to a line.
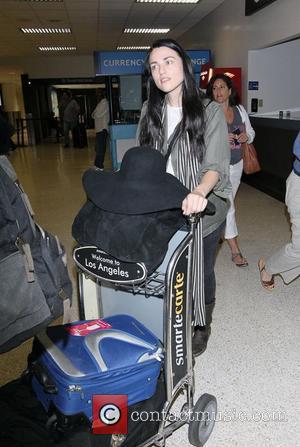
[195, 202]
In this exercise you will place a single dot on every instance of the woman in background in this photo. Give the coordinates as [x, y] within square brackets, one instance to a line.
[191, 134]
[221, 89]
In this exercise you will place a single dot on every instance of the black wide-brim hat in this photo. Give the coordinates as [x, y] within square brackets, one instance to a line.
[141, 186]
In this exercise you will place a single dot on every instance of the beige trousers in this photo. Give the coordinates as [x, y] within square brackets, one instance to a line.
[286, 261]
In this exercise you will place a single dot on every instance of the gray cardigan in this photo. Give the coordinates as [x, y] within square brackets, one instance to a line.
[216, 158]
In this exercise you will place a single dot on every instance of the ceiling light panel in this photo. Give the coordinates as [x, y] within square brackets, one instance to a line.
[134, 48]
[146, 30]
[57, 48]
[46, 30]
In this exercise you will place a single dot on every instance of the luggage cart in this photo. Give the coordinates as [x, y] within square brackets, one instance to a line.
[174, 290]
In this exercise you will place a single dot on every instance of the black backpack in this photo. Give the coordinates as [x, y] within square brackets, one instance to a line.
[35, 286]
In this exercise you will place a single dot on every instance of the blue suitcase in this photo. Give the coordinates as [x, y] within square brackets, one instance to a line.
[73, 362]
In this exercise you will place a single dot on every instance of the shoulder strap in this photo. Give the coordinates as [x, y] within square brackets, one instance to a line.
[173, 141]
[8, 225]
[7, 167]
[241, 112]
[209, 102]
[7, 170]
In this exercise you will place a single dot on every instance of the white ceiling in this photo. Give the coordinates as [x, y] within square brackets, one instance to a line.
[96, 24]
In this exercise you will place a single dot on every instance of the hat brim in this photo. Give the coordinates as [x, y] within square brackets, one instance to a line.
[109, 191]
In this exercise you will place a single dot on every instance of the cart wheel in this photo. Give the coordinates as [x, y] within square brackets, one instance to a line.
[202, 420]
[51, 423]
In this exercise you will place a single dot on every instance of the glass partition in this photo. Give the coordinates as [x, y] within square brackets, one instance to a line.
[127, 96]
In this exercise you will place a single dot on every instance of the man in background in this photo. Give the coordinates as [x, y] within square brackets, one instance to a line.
[70, 116]
[101, 117]
[6, 132]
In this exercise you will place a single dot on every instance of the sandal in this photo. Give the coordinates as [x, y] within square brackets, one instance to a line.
[267, 285]
[244, 262]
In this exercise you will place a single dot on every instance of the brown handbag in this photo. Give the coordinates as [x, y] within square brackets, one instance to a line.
[251, 163]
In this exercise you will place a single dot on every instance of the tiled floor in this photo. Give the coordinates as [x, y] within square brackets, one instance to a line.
[252, 362]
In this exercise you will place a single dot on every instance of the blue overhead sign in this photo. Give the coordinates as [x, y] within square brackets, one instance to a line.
[119, 62]
[199, 57]
[109, 63]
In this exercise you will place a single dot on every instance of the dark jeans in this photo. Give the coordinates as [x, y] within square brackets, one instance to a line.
[69, 126]
[210, 245]
[100, 148]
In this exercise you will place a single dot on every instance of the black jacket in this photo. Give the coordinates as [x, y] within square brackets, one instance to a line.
[131, 238]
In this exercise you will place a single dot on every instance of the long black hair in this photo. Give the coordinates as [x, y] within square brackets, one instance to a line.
[233, 99]
[193, 120]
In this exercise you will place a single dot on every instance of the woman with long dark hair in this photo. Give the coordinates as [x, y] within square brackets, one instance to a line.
[192, 134]
[222, 90]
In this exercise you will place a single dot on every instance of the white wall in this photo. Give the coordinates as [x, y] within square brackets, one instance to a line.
[277, 69]
[230, 34]
[12, 95]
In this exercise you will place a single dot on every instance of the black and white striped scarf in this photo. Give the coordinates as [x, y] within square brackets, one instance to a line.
[186, 167]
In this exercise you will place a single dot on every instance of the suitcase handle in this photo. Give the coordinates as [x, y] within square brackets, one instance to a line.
[43, 379]
[92, 342]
